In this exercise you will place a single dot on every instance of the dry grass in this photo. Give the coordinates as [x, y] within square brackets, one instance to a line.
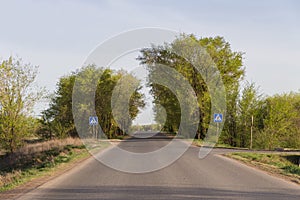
[48, 145]
[27, 152]
[13, 165]
[9, 177]
[30, 150]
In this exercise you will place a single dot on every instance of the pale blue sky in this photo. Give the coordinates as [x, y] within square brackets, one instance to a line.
[58, 35]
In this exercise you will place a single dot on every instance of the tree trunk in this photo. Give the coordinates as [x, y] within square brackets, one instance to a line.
[11, 142]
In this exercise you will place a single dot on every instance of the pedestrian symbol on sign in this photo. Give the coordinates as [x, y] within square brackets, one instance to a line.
[218, 117]
[93, 120]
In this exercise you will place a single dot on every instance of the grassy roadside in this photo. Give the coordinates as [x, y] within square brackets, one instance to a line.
[280, 164]
[199, 143]
[26, 167]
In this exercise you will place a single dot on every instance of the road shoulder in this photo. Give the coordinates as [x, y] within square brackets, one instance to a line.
[48, 176]
[267, 169]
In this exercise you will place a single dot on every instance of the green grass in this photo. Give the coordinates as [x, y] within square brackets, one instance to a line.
[197, 142]
[43, 164]
[292, 169]
[285, 164]
[200, 142]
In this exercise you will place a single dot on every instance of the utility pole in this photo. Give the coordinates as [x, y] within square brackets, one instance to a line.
[251, 133]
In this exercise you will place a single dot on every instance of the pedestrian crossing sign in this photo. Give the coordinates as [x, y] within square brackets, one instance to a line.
[218, 117]
[93, 120]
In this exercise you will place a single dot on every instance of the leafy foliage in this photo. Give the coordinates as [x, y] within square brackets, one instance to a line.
[276, 119]
[281, 122]
[58, 120]
[249, 106]
[17, 98]
[228, 62]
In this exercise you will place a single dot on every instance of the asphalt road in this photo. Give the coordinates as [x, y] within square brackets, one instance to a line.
[213, 177]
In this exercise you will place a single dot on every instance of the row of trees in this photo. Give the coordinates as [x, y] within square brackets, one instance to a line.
[58, 121]
[19, 94]
[276, 119]
[229, 64]
[146, 127]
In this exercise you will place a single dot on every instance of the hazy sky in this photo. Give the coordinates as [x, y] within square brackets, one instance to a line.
[58, 35]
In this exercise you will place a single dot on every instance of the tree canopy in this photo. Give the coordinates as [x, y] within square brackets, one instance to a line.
[18, 95]
[59, 118]
[274, 121]
[228, 62]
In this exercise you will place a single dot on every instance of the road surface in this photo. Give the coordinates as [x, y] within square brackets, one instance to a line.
[214, 177]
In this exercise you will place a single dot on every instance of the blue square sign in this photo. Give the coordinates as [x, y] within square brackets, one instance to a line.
[93, 120]
[218, 117]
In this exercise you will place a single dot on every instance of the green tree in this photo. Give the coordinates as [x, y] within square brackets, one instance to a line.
[281, 123]
[106, 84]
[249, 106]
[18, 95]
[113, 87]
[126, 101]
[227, 61]
[58, 119]
[166, 108]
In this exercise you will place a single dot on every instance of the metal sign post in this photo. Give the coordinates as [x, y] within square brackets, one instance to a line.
[218, 118]
[93, 121]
